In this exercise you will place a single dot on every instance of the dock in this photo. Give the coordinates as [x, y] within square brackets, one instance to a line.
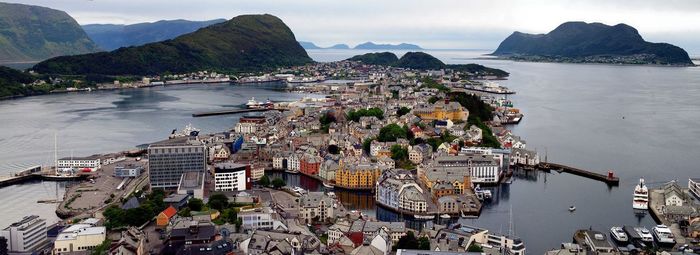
[609, 179]
[234, 111]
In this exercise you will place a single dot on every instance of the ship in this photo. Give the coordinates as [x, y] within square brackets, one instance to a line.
[186, 132]
[619, 234]
[663, 235]
[641, 196]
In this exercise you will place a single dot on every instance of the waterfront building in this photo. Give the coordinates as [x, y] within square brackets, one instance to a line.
[673, 195]
[327, 170]
[169, 159]
[261, 218]
[398, 189]
[79, 238]
[310, 164]
[128, 170]
[694, 187]
[26, 235]
[317, 207]
[358, 175]
[597, 242]
[91, 162]
[481, 168]
[132, 242]
[524, 157]
[441, 110]
[232, 177]
[257, 171]
[191, 183]
[293, 163]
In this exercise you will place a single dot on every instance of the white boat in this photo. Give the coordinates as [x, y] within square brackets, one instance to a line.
[644, 234]
[641, 196]
[424, 217]
[572, 208]
[327, 185]
[189, 130]
[253, 104]
[445, 216]
[618, 234]
[663, 235]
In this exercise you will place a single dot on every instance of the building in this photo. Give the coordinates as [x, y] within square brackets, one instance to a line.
[128, 170]
[597, 242]
[442, 110]
[316, 207]
[92, 162]
[673, 195]
[481, 168]
[694, 187]
[79, 237]
[26, 235]
[327, 170]
[163, 218]
[418, 153]
[232, 177]
[169, 159]
[131, 243]
[310, 164]
[246, 127]
[360, 230]
[524, 157]
[361, 175]
[398, 189]
[177, 200]
[261, 218]
[192, 183]
[257, 172]
[458, 238]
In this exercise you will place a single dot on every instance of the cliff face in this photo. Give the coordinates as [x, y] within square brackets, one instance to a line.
[579, 40]
[244, 43]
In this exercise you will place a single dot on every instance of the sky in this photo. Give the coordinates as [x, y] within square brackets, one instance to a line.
[433, 24]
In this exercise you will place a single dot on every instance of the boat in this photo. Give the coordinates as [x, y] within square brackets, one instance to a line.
[663, 235]
[188, 131]
[252, 104]
[445, 216]
[618, 234]
[482, 194]
[572, 208]
[327, 185]
[299, 191]
[641, 196]
[487, 194]
[644, 234]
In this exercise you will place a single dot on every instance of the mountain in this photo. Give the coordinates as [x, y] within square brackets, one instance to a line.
[379, 58]
[309, 45]
[110, 37]
[423, 61]
[340, 46]
[373, 46]
[591, 42]
[32, 33]
[247, 43]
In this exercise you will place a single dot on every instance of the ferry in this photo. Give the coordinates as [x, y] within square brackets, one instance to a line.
[188, 131]
[618, 234]
[641, 196]
[663, 235]
[252, 104]
[644, 234]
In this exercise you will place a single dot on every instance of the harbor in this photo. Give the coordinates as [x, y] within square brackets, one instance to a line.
[609, 179]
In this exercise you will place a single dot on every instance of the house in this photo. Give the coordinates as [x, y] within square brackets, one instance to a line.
[261, 218]
[310, 164]
[131, 243]
[441, 110]
[317, 207]
[673, 195]
[419, 153]
[178, 201]
[188, 232]
[524, 157]
[163, 218]
[279, 242]
[694, 187]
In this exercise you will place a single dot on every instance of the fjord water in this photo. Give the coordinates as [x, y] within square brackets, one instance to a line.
[575, 111]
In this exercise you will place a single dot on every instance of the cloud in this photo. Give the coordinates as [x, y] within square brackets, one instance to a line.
[433, 24]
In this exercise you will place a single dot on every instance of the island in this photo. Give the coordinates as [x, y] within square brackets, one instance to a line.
[580, 42]
[422, 60]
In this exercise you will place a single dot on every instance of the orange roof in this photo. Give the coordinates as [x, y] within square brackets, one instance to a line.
[169, 212]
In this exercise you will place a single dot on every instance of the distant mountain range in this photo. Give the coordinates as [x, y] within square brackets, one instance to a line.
[32, 33]
[363, 46]
[581, 42]
[246, 43]
[110, 37]
[423, 61]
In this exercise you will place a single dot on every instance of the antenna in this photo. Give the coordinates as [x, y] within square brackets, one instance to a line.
[55, 151]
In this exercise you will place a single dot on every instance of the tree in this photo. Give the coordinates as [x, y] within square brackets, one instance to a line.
[218, 201]
[333, 149]
[195, 204]
[402, 111]
[278, 183]
[391, 132]
[475, 248]
[355, 115]
[264, 181]
[399, 152]
[423, 243]
[103, 248]
[366, 145]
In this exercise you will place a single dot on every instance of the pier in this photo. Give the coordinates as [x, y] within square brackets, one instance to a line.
[609, 179]
[234, 111]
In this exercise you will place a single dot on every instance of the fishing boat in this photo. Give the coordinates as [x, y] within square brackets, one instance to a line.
[641, 196]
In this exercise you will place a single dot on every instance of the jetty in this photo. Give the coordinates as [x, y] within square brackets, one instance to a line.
[609, 179]
[234, 111]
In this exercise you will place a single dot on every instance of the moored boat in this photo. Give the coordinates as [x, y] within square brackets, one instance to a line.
[641, 196]
[618, 234]
[663, 235]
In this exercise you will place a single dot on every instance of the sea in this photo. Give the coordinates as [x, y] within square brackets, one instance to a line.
[636, 121]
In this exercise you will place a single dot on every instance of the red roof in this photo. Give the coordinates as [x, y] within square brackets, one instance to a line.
[169, 212]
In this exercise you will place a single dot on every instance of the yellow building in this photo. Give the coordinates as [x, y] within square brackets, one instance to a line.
[358, 176]
[442, 110]
[79, 238]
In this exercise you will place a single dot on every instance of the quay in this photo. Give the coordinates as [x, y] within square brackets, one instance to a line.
[609, 179]
[234, 111]
[656, 204]
[8, 181]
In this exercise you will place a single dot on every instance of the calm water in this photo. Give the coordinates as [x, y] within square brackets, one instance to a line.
[574, 111]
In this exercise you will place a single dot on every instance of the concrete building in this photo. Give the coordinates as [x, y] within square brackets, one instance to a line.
[128, 170]
[398, 189]
[26, 235]
[261, 218]
[442, 110]
[79, 237]
[481, 168]
[316, 207]
[232, 177]
[169, 159]
[192, 183]
[92, 162]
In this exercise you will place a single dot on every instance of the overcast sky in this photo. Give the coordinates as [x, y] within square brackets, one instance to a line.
[446, 24]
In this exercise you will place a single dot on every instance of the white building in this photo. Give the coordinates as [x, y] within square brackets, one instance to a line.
[293, 162]
[128, 170]
[91, 162]
[316, 206]
[694, 187]
[231, 177]
[246, 128]
[261, 218]
[26, 235]
[79, 237]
